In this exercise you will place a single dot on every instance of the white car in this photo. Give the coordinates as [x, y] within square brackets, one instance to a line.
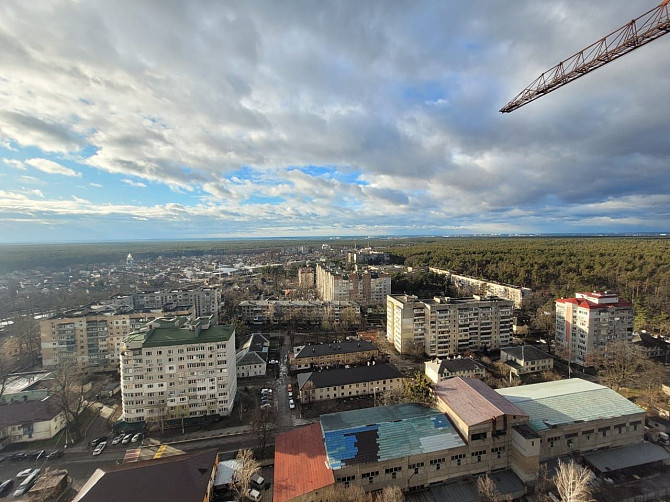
[99, 448]
[253, 494]
[291, 404]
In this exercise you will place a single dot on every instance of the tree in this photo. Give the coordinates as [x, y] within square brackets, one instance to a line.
[71, 388]
[263, 424]
[246, 467]
[353, 493]
[487, 491]
[619, 363]
[391, 494]
[416, 389]
[573, 482]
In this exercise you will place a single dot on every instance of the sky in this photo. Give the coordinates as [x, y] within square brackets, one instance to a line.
[166, 119]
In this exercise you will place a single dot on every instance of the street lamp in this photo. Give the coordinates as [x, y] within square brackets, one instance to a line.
[374, 401]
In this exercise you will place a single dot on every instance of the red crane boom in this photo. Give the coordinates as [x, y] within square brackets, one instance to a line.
[640, 31]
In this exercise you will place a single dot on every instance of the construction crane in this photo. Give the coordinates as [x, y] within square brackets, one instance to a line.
[640, 31]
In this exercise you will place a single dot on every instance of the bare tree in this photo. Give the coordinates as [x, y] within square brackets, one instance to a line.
[246, 467]
[573, 482]
[391, 494]
[263, 424]
[619, 363]
[416, 389]
[353, 493]
[487, 491]
[71, 388]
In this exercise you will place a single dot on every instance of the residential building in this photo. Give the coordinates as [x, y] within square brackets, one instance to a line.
[489, 288]
[91, 335]
[441, 369]
[27, 421]
[653, 346]
[444, 326]
[473, 430]
[306, 312]
[367, 256]
[306, 277]
[206, 301]
[179, 478]
[252, 357]
[340, 383]
[177, 368]
[324, 355]
[585, 323]
[526, 359]
[366, 288]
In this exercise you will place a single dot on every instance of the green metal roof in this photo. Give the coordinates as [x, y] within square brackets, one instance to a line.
[160, 337]
[568, 401]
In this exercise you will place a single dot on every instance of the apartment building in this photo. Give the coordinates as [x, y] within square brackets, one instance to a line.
[342, 383]
[353, 352]
[177, 368]
[92, 335]
[585, 323]
[490, 288]
[206, 301]
[472, 431]
[366, 288]
[444, 326]
[306, 277]
[312, 312]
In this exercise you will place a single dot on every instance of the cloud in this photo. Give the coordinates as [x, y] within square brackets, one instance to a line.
[16, 164]
[133, 183]
[96, 185]
[51, 167]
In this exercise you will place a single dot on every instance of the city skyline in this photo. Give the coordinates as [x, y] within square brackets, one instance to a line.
[206, 120]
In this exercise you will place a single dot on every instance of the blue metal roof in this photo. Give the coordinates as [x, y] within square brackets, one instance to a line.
[386, 432]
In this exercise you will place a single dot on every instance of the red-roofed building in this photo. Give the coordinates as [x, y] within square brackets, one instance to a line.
[301, 467]
[585, 323]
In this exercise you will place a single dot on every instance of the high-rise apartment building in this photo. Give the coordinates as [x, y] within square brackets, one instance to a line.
[306, 277]
[206, 301]
[585, 323]
[366, 288]
[178, 368]
[445, 326]
[91, 335]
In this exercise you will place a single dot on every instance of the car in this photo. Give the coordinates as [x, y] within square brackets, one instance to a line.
[273, 361]
[55, 454]
[291, 404]
[290, 394]
[5, 487]
[137, 437]
[117, 439]
[266, 391]
[290, 388]
[99, 448]
[35, 455]
[126, 439]
[97, 441]
[265, 406]
[24, 473]
[19, 455]
[253, 494]
[27, 483]
[257, 480]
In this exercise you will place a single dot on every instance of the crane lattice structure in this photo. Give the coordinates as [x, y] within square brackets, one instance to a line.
[640, 31]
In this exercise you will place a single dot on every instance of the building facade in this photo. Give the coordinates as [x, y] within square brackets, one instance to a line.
[312, 312]
[526, 359]
[444, 326]
[28, 421]
[587, 322]
[178, 368]
[506, 291]
[439, 370]
[306, 277]
[352, 352]
[92, 335]
[366, 288]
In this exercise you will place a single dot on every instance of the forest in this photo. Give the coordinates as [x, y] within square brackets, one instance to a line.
[638, 269]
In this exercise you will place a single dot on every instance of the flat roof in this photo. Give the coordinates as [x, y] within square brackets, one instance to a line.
[568, 401]
[169, 334]
[473, 401]
[385, 433]
[615, 459]
[300, 463]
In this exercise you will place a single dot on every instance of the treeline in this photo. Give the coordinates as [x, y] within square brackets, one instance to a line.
[638, 269]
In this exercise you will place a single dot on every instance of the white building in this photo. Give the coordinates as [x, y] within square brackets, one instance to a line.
[524, 359]
[586, 323]
[206, 301]
[448, 326]
[28, 421]
[178, 368]
[443, 369]
[490, 288]
[366, 288]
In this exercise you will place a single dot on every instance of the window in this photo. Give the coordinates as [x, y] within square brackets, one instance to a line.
[603, 431]
[498, 450]
[636, 424]
[416, 467]
[480, 435]
[478, 454]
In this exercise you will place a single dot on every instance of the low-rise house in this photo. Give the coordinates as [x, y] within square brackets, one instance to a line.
[30, 421]
[653, 346]
[332, 354]
[348, 382]
[441, 369]
[526, 359]
[253, 356]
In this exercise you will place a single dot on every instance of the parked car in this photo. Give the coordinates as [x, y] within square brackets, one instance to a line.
[137, 437]
[257, 480]
[117, 439]
[24, 473]
[253, 494]
[290, 394]
[55, 454]
[35, 455]
[266, 405]
[266, 391]
[27, 483]
[126, 439]
[99, 448]
[5, 487]
[19, 455]
[97, 441]
[291, 404]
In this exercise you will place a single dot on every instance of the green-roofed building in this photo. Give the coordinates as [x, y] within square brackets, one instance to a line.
[178, 368]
